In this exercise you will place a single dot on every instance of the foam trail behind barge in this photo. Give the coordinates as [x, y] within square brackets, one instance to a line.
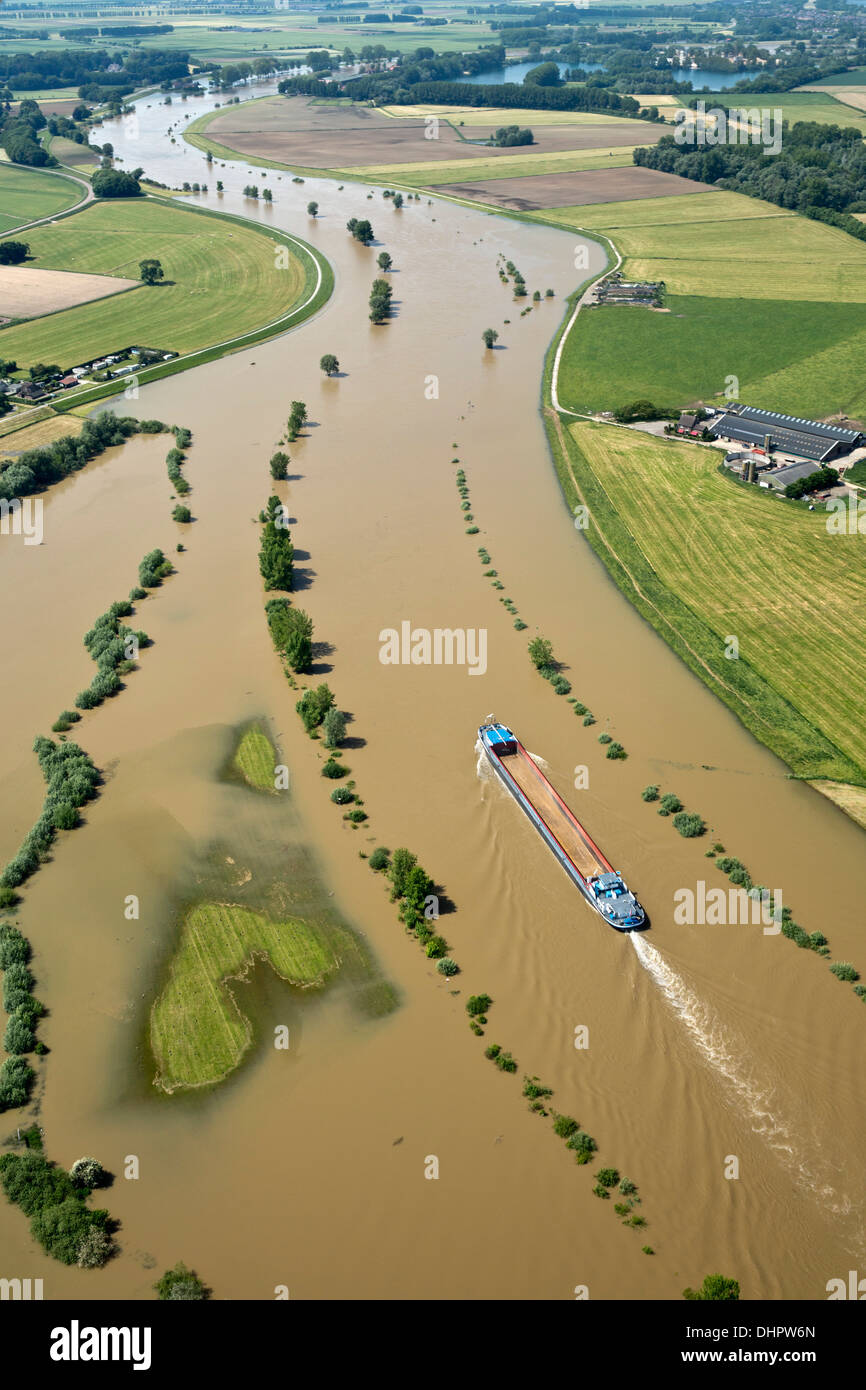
[717, 1047]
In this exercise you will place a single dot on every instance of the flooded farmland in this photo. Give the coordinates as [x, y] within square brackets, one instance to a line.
[307, 1169]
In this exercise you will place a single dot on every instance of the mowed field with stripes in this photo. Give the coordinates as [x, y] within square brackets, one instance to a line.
[744, 563]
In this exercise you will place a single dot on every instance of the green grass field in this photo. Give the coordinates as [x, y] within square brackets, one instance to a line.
[505, 166]
[702, 557]
[224, 282]
[728, 245]
[754, 292]
[798, 357]
[799, 106]
[198, 1034]
[26, 194]
[255, 759]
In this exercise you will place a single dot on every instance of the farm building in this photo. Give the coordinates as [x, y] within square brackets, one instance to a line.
[779, 478]
[765, 429]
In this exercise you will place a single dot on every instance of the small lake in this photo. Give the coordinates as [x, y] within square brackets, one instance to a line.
[716, 81]
[515, 72]
[699, 77]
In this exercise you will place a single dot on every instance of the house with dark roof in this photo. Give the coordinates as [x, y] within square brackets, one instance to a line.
[768, 430]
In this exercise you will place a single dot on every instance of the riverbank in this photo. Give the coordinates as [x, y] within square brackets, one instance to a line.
[297, 284]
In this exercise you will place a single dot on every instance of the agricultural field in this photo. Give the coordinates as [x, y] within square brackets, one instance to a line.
[300, 133]
[221, 282]
[498, 115]
[35, 435]
[797, 354]
[28, 292]
[794, 356]
[27, 194]
[79, 157]
[798, 106]
[729, 245]
[512, 167]
[209, 40]
[605, 183]
[198, 1033]
[697, 545]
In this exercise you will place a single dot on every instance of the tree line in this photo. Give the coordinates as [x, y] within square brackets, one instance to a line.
[36, 469]
[821, 171]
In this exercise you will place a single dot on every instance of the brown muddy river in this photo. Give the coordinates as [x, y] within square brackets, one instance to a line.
[307, 1169]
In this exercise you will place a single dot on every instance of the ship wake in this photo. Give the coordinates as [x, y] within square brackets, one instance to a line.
[719, 1049]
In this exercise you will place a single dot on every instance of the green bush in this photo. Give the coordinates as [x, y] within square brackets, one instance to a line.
[16, 1078]
[608, 1177]
[342, 796]
[844, 970]
[670, 804]
[313, 706]
[379, 859]
[181, 514]
[564, 1127]
[180, 1284]
[436, 946]
[478, 1004]
[447, 966]
[650, 793]
[14, 948]
[616, 752]
[533, 1089]
[715, 1289]
[19, 1036]
[689, 824]
[583, 1145]
[333, 770]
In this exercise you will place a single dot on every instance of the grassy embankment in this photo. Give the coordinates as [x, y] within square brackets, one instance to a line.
[701, 558]
[27, 194]
[756, 293]
[226, 290]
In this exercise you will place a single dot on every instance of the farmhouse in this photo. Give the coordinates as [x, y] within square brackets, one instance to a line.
[767, 430]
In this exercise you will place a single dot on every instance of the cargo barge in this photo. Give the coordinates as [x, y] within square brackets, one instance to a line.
[580, 857]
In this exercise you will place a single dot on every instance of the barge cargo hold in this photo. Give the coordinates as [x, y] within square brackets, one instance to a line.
[583, 861]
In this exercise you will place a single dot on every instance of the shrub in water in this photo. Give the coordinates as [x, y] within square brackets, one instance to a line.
[670, 804]
[478, 1004]
[379, 859]
[333, 769]
[689, 824]
[447, 966]
[844, 970]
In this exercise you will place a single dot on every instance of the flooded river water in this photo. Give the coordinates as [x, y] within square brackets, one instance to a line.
[307, 1169]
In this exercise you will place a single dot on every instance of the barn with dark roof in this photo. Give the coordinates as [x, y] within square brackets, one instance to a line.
[765, 429]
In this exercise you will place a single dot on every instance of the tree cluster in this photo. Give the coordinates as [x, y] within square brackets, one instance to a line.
[276, 552]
